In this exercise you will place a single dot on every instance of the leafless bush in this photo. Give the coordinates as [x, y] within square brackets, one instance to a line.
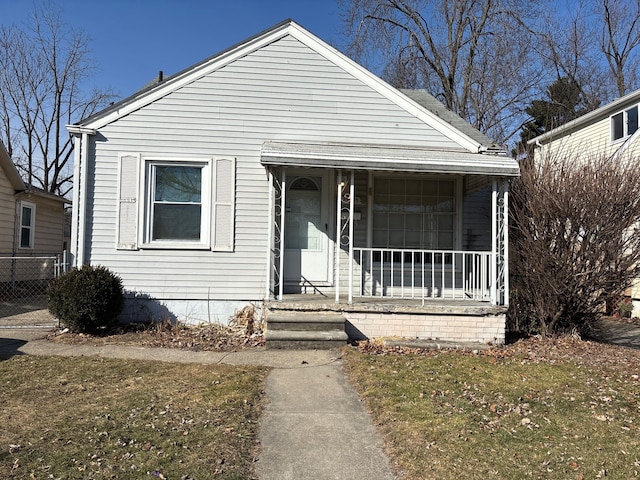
[575, 240]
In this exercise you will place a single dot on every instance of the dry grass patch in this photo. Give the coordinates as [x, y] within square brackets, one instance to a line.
[541, 409]
[102, 418]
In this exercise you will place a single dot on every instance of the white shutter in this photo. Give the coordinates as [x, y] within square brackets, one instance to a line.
[224, 180]
[127, 227]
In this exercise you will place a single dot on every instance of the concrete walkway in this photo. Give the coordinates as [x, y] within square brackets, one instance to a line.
[314, 427]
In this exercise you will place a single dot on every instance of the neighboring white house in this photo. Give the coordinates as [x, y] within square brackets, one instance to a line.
[280, 167]
[609, 131]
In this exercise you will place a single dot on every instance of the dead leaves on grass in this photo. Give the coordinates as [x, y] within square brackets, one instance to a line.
[245, 330]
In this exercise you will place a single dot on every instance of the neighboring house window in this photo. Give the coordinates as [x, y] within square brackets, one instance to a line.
[414, 213]
[27, 224]
[624, 123]
[178, 203]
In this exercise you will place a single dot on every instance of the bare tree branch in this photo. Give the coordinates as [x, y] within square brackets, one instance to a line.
[42, 68]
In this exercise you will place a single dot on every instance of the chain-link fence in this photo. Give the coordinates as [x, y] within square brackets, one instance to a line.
[23, 289]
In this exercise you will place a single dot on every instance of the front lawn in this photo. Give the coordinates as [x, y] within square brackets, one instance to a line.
[546, 409]
[100, 418]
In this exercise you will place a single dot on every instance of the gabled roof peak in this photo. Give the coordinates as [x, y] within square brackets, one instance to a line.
[465, 137]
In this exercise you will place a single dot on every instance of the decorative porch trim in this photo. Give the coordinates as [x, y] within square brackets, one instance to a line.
[500, 243]
[344, 227]
[275, 254]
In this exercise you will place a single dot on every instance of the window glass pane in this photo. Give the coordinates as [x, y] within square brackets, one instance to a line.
[445, 240]
[445, 205]
[26, 216]
[446, 189]
[632, 120]
[617, 128]
[411, 220]
[176, 222]
[380, 238]
[397, 186]
[303, 184]
[412, 238]
[396, 238]
[413, 203]
[381, 185]
[396, 221]
[414, 187]
[176, 208]
[25, 237]
[445, 222]
[178, 184]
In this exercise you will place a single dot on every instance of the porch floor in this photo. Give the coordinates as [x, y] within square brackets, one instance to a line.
[318, 302]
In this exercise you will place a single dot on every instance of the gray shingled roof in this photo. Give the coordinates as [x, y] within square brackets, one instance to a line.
[435, 106]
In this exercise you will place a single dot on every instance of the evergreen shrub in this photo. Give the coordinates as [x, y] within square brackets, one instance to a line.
[86, 300]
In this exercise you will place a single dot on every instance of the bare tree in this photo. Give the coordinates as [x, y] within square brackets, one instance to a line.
[42, 70]
[566, 50]
[471, 54]
[575, 241]
[620, 39]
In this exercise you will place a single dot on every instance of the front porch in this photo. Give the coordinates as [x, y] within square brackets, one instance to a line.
[404, 248]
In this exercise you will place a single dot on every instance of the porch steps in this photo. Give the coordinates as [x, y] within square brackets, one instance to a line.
[305, 330]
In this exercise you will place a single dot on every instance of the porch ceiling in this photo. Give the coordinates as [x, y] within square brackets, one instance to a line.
[371, 157]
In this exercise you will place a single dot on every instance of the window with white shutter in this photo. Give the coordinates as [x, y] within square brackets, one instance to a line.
[176, 203]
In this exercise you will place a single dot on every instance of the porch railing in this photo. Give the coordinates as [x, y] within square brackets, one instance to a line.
[422, 274]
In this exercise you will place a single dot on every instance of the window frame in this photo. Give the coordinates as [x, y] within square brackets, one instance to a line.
[31, 206]
[624, 115]
[148, 167]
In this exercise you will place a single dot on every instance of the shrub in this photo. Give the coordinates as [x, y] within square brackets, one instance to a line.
[574, 240]
[87, 299]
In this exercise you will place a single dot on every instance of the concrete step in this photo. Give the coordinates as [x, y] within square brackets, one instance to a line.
[298, 340]
[305, 321]
[305, 330]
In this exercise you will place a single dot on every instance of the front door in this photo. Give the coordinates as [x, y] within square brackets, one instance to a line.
[306, 234]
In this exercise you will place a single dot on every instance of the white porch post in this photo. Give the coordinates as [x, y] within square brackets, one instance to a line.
[352, 192]
[494, 242]
[270, 234]
[338, 234]
[283, 195]
[76, 212]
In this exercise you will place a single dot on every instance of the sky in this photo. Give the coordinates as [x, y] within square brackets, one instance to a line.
[132, 40]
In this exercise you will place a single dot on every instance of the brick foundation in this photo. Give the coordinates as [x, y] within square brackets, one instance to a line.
[443, 327]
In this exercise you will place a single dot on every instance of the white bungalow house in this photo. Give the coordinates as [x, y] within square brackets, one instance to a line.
[279, 172]
[610, 131]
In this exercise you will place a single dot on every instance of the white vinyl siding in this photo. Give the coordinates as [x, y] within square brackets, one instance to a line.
[284, 91]
[7, 213]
